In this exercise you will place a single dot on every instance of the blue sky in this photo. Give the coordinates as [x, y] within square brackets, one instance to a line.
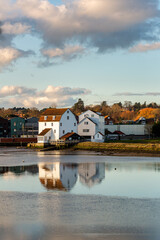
[54, 52]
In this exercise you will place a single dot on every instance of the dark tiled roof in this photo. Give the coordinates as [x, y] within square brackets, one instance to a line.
[118, 132]
[70, 134]
[54, 111]
[46, 130]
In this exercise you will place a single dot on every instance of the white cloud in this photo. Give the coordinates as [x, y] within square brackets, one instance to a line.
[67, 53]
[145, 47]
[8, 55]
[15, 29]
[21, 96]
[6, 91]
[70, 28]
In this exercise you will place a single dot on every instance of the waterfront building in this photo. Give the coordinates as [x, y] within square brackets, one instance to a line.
[16, 126]
[4, 127]
[56, 122]
[90, 123]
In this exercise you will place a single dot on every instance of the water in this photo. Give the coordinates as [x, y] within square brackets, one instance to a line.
[57, 196]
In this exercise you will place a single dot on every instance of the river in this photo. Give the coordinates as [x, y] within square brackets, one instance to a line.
[78, 195]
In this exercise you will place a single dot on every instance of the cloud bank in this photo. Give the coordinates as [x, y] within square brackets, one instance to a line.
[68, 29]
[154, 94]
[11, 96]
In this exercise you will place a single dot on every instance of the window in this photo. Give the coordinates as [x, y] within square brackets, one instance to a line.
[53, 118]
[92, 115]
[45, 124]
[85, 123]
[15, 130]
[71, 130]
[52, 124]
[74, 124]
[63, 131]
[20, 123]
[61, 124]
[14, 124]
[45, 117]
[68, 111]
[86, 115]
[67, 117]
[97, 135]
[85, 130]
[54, 130]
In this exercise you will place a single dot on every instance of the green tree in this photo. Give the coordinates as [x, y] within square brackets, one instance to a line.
[156, 129]
[79, 106]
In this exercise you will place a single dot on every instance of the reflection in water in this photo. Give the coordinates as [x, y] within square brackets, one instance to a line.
[125, 179]
[91, 173]
[58, 176]
[18, 170]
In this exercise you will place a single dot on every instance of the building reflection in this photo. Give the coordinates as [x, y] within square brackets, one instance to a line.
[18, 170]
[58, 176]
[91, 173]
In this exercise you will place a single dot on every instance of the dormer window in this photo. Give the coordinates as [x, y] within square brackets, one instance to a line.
[45, 118]
[53, 118]
[92, 115]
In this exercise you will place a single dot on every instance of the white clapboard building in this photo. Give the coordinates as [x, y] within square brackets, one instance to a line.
[91, 126]
[56, 122]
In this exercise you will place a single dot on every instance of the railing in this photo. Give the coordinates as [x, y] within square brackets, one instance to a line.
[63, 142]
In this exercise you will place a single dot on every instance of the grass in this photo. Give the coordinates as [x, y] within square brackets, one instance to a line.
[136, 147]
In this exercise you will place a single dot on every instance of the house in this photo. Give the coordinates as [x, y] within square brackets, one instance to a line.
[70, 136]
[56, 122]
[31, 127]
[116, 135]
[108, 120]
[4, 131]
[16, 126]
[98, 137]
[90, 123]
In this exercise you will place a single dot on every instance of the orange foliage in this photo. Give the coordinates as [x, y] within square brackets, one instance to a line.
[147, 113]
[127, 115]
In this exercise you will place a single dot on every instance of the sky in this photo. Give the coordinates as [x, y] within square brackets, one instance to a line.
[54, 52]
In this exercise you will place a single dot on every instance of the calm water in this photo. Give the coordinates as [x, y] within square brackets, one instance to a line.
[80, 174]
[78, 196]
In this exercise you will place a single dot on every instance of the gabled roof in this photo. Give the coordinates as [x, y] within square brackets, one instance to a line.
[91, 111]
[46, 130]
[100, 133]
[50, 118]
[50, 112]
[88, 119]
[69, 134]
[54, 111]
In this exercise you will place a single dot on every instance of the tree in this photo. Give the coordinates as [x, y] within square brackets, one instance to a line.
[79, 106]
[156, 129]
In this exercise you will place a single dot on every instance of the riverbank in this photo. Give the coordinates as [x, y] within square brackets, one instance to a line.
[122, 148]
